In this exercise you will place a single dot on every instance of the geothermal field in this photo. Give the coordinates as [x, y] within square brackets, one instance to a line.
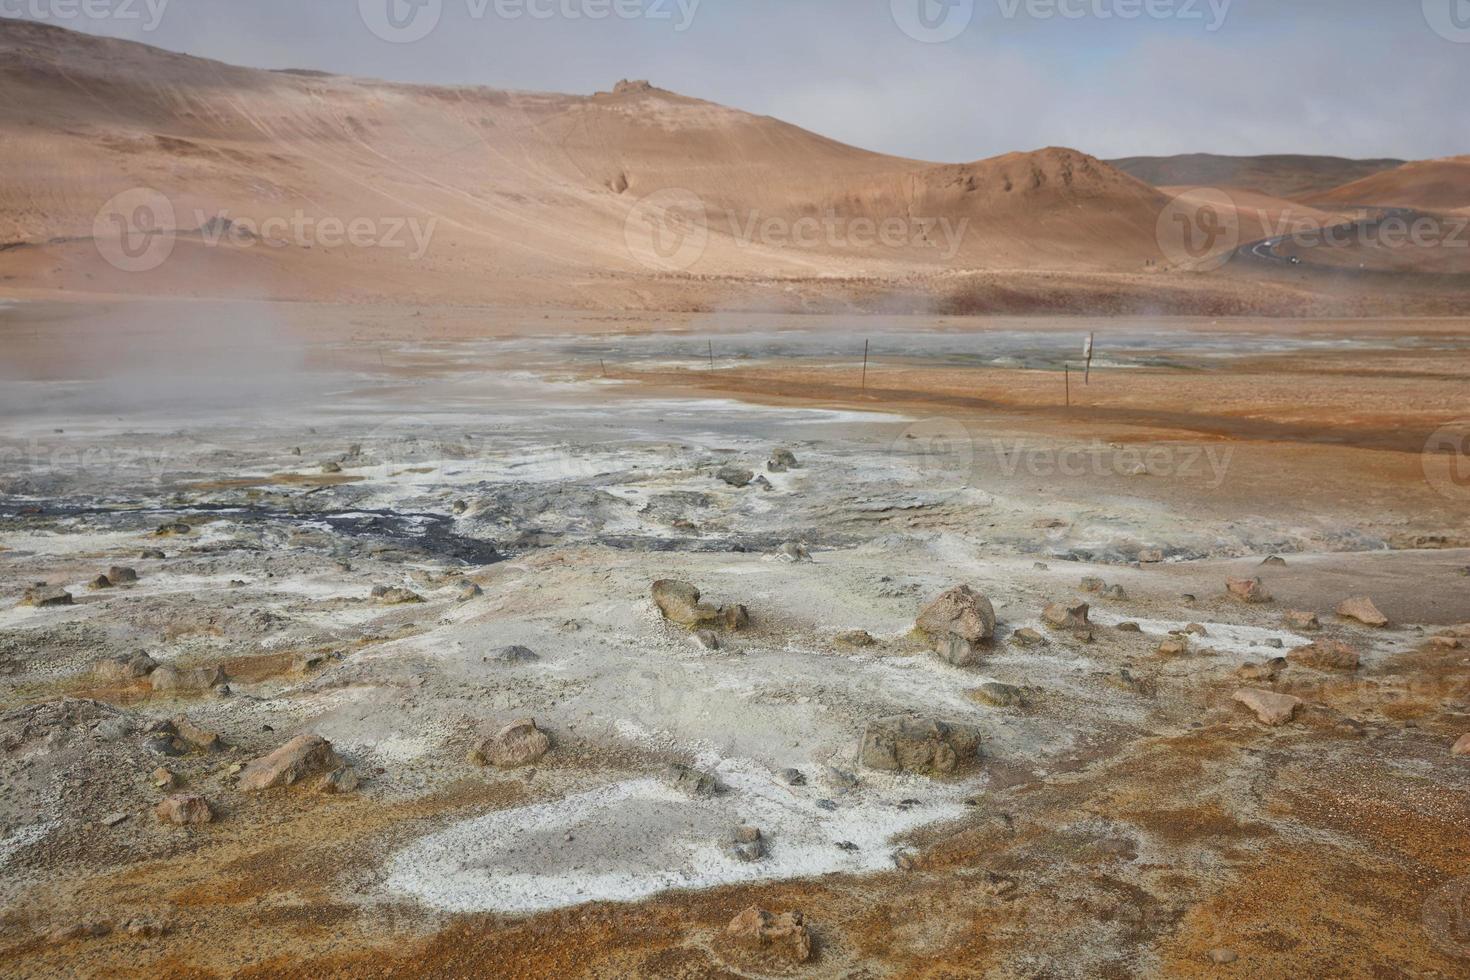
[1048, 599]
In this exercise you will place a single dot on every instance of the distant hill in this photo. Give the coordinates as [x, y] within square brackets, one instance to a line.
[1280, 175]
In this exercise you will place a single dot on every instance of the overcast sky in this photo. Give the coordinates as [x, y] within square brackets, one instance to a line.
[948, 80]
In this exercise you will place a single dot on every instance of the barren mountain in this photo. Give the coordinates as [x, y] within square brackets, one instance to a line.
[1426, 185]
[514, 195]
[1279, 175]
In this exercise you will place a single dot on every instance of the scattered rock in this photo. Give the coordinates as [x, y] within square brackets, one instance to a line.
[919, 745]
[1462, 747]
[124, 670]
[782, 460]
[80, 930]
[1326, 655]
[958, 625]
[679, 603]
[1270, 708]
[468, 591]
[164, 778]
[511, 656]
[785, 934]
[1195, 629]
[999, 695]
[122, 575]
[1093, 584]
[1444, 642]
[1262, 673]
[196, 736]
[1362, 609]
[113, 819]
[748, 845]
[184, 809]
[518, 744]
[793, 777]
[1222, 957]
[173, 529]
[1299, 619]
[1150, 556]
[1125, 680]
[301, 758]
[690, 781]
[99, 583]
[1173, 647]
[1116, 592]
[330, 467]
[1251, 590]
[151, 554]
[735, 476]
[1064, 617]
[1129, 628]
[859, 639]
[342, 780]
[1028, 637]
[735, 617]
[705, 639]
[46, 596]
[392, 595]
[190, 680]
[793, 552]
[1274, 561]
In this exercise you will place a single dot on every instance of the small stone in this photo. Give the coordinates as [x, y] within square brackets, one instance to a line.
[705, 639]
[999, 695]
[1326, 655]
[124, 670]
[678, 602]
[793, 552]
[46, 597]
[1028, 637]
[184, 810]
[857, 639]
[164, 778]
[1262, 673]
[304, 756]
[99, 583]
[1362, 609]
[1222, 956]
[184, 681]
[113, 819]
[1299, 619]
[1462, 747]
[518, 744]
[782, 460]
[1176, 647]
[1195, 629]
[342, 780]
[385, 595]
[906, 861]
[172, 530]
[735, 617]
[1129, 628]
[764, 931]
[735, 476]
[151, 554]
[1150, 556]
[81, 930]
[793, 777]
[1251, 590]
[196, 736]
[690, 781]
[511, 656]
[1444, 642]
[1093, 584]
[1270, 708]
[145, 929]
[468, 591]
[1275, 561]
[926, 746]
[330, 467]
[1115, 592]
[122, 575]
[1060, 616]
